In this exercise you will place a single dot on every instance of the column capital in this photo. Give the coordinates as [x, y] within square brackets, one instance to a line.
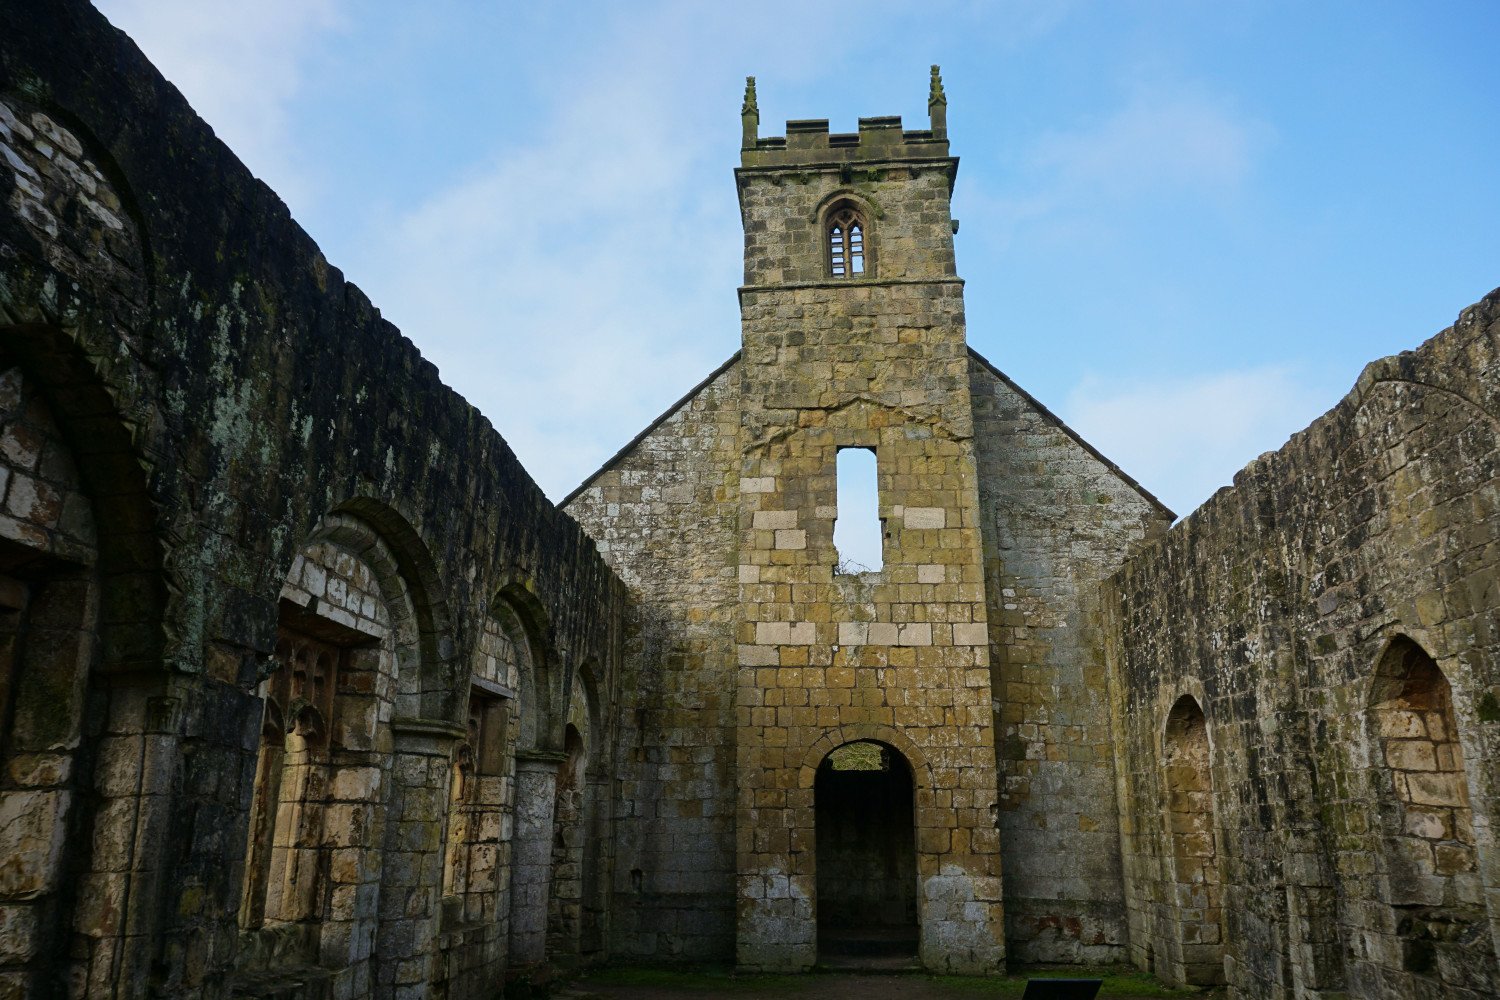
[426, 736]
[540, 760]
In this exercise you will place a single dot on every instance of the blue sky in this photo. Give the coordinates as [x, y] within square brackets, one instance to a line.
[1186, 226]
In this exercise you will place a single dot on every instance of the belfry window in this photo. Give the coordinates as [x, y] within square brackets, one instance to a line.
[846, 243]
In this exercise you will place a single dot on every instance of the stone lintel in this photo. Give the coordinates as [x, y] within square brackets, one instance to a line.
[490, 687]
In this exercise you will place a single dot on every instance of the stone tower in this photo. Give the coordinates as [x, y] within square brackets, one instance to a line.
[853, 337]
[791, 728]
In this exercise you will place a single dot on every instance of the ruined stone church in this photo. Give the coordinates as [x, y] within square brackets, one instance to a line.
[307, 690]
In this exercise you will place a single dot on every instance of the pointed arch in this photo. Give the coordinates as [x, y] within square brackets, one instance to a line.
[131, 557]
[581, 903]
[846, 224]
[357, 645]
[586, 682]
[85, 605]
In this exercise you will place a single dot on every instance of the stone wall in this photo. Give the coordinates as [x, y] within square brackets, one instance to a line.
[1057, 519]
[48, 617]
[241, 428]
[1331, 618]
[664, 515]
[307, 691]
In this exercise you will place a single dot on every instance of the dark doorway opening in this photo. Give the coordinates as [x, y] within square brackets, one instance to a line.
[867, 858]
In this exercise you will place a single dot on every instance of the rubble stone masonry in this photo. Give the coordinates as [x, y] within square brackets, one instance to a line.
[249, 548]
[1332, 619]
[308, 693]
[998, 524]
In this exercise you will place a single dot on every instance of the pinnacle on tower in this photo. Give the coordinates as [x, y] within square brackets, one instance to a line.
[749, 116]
[937, 104]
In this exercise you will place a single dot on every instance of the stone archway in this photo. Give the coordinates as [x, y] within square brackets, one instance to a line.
[49, 623]
[1195, 894]
[867, 904]
[1431, 854]
[82, 691]
[535, 786]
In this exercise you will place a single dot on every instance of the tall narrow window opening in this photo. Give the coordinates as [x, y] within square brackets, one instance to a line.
[846, 243]
[858, 532]
[281, 870]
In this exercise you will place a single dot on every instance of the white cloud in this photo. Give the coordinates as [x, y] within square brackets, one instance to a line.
[565, 288]
[1178, 143]
[1160, 140]
[239, 66]
[576, 282]
[1183, 438]
[582, 280]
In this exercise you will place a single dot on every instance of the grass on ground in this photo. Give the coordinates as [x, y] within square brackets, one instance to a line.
[1117, 983]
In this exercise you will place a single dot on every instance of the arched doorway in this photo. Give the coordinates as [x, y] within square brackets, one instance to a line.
[1195, 892]
[569, 833]
[866, 857]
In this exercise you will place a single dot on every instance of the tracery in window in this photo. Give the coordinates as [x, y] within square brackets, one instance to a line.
[281, 869]
[846, 242]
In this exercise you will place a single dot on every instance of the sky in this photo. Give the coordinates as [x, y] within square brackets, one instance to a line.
[1186, 227]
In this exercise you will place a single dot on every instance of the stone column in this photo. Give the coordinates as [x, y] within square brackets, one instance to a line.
[117, 917]
[531, 856]
[411, 883]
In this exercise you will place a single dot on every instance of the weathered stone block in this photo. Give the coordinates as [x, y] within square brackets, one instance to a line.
[924, 517]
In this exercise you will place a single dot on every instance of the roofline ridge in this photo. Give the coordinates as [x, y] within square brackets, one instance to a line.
[1078, 438]
[614, 459]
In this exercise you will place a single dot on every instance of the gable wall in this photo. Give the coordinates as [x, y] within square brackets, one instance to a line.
[1056, 520]
[666, 517]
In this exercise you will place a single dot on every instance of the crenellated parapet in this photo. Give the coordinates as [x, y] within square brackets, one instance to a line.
[809, 143]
